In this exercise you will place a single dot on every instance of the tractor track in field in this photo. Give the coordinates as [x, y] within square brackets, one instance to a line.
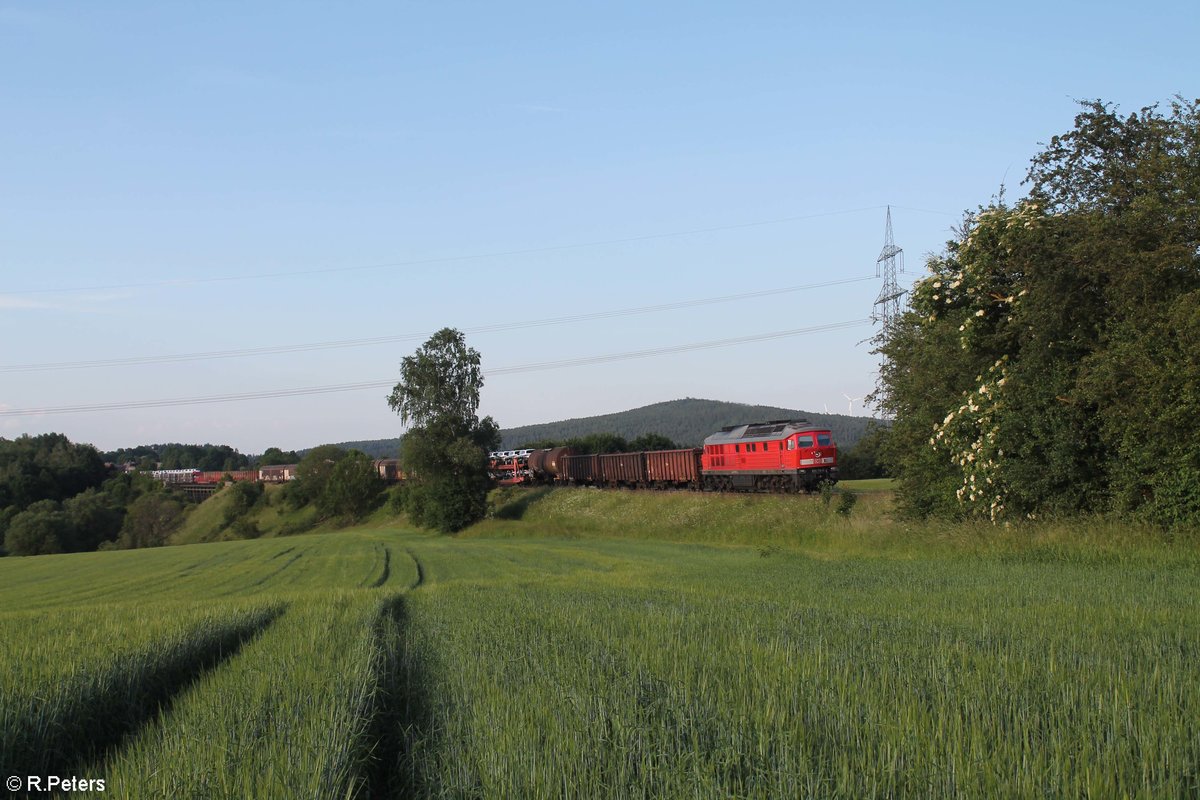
[399, 716]
[277, 570]
[110, 708]
[420, 570]
[387, 568]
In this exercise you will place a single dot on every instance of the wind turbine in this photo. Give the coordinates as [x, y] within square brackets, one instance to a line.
[852, 401]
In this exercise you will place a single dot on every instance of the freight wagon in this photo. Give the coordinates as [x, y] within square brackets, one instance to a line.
[216, 476]
[673, 469]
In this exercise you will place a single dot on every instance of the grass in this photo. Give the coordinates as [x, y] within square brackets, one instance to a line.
[868, 485]
[810, 525]
[89, 676]
[721, 672]
[290, 716]
[209, 521]
[620, 644]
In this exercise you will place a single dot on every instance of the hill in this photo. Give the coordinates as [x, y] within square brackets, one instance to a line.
[685, 421]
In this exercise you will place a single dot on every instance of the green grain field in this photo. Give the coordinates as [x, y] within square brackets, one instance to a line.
[591, 644]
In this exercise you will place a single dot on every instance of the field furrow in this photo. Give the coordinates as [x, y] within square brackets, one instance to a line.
[290, 716]
[75, 692]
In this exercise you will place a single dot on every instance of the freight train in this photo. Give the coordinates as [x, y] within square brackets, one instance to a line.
[775, 456]
[388, 469]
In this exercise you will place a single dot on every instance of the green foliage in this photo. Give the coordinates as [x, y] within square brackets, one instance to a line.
[606, 442]
[846, 501]
[46, 467]
[80, 523]
[6, 517]
[1047, 363]
[150, 520]
[94, 517]
[652, 441]
[40, 529]
[126, 487]
[1176, 497]
[448, 462]
[445, 450]
[206, 457]
[353, 489]
[273, 456]
[599, 443]
[242, 497]
[312, 473]
[338, 483]
[865, 459]
[441, 380]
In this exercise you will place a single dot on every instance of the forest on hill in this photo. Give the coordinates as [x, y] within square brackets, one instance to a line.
[685, 422]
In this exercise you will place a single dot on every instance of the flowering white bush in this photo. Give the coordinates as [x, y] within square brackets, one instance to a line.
[969, 435]
[979, 288]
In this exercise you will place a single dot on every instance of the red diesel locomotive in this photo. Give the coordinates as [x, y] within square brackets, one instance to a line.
[776, 456]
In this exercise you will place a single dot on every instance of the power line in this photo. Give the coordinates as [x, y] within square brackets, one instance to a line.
[350, 387]
[364, 342]
[190, 281]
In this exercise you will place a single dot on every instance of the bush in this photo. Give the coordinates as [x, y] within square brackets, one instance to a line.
[243, 496]
[846, 502]
[451, 505]
[245, 529]
[826, 488]
[6, 517]
[396, 498]
[149, 521]
[94, 518]
[352, 489]
[1176, 498]
[39, 531]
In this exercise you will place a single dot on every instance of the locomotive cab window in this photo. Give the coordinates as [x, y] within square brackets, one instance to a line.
[805, 441]
[791, 444]
[823, 439]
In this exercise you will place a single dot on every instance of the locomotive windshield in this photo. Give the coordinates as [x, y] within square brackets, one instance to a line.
[824, 440]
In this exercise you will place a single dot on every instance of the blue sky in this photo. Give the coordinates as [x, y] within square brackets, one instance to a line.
[403, 167]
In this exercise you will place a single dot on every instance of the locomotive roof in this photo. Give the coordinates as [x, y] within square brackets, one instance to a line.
[762, 431]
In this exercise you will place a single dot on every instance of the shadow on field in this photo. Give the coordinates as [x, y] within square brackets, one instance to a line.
[103, 709]
[514, 502]
[400, 730]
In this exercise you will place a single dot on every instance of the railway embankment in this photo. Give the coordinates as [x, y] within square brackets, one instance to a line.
[821, 525]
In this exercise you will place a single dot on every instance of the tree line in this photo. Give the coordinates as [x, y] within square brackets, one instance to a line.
[204, 457]
[1047, 364]
[57, 496]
